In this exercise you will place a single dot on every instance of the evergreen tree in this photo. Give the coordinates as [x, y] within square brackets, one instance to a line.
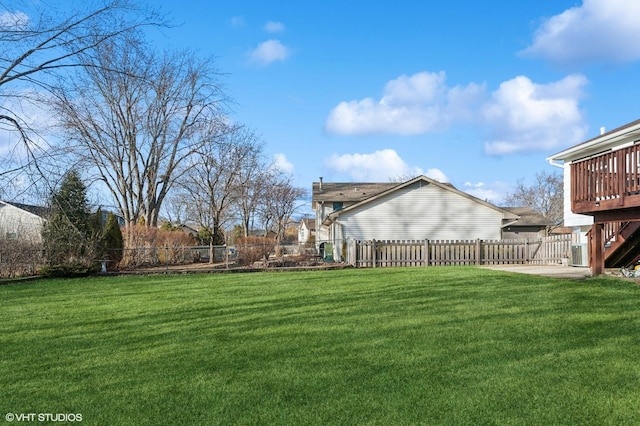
[214, 236]
[112, 241]
[68, 234]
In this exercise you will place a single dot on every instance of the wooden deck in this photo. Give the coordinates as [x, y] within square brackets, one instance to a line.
[607, 187]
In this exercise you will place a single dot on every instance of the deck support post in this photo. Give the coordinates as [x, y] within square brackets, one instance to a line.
[596, 249]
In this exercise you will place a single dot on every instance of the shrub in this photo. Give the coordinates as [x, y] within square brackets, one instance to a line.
[253, 249]
[151, 246]
[138, 243]
[19, 257]
[172, 245]
[68, 270]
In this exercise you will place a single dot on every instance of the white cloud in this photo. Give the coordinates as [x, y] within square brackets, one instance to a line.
[274, 27]
[436, 174]
[410, 105]
[519, 116]
[493, 193]
[281, 162]
[596, 31]
[268, 52]
[379, 166]
[524, 116]
[14, 20]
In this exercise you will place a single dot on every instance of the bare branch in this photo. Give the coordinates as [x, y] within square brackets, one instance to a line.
[138, 125]
[42, 43]
[544, 196]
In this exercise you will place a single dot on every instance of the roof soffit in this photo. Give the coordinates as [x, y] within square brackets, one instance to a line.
[614, 139]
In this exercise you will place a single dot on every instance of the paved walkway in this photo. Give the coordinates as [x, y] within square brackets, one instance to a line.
[559, 271]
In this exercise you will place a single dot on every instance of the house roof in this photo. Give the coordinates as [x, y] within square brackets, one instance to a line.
[561, 230]
[391, 187]
[309, 223]
[347, 191]
[39, 211]
[353, 191]
[629, 132]
[528, 217]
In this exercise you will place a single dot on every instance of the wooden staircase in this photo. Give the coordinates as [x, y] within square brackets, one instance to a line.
[622, 244]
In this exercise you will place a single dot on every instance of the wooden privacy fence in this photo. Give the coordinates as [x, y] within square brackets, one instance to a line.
[367, 254]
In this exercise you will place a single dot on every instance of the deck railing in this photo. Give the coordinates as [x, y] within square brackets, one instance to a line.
[606, 181]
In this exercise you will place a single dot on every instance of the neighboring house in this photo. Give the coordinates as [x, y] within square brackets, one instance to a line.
[270, 235]
[529, 225]
[21, 221]
[189, 230]
[306, 230]
[420, 208]
[25, 221]
[119, 218]
[602, 195]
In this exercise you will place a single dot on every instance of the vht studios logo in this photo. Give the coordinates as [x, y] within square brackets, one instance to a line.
[43, 417]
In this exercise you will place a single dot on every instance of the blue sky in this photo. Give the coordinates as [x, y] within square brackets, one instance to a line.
[474, 93]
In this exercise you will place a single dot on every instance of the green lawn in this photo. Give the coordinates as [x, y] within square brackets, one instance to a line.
[385, 346]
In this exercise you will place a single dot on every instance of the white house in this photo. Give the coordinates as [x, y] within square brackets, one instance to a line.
[21, 221]
[306, 229]
[602, 194]
[420, 208]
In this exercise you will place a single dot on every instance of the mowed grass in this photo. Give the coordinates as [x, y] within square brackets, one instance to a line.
[377, 346]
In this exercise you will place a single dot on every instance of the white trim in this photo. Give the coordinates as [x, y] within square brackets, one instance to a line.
[603, 143]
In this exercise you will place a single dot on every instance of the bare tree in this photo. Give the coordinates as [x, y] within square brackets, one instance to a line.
[38, 43]
[136, 116]
[253, 180]
[281, 201]
[544, 196]
[176, 207]
[215, 174]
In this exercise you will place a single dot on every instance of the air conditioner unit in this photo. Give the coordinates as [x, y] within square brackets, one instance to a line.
[579, 255]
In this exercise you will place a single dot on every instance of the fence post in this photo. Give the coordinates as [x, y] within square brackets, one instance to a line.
[426, 252]
[373, 252]
[353, 250]
[478, 253]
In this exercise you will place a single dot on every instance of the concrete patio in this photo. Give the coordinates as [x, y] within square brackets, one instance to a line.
[558, 271]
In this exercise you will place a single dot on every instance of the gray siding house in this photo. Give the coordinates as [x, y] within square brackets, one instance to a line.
[21, 222]
[530, 225]
[418, 209]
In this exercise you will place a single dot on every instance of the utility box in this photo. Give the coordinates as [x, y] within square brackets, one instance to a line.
[580, 255]
[328, 252]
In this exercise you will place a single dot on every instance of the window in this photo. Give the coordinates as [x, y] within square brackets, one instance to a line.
[337, 206]
[11, 235]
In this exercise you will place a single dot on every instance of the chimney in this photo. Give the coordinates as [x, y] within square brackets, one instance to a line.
[320, 183]
[602, 130]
